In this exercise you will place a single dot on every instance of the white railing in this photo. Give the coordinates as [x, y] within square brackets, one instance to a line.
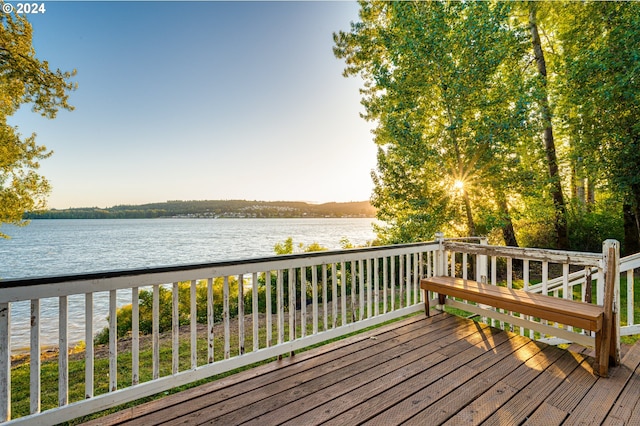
[628, 326]
[570, 275]
[286, 302]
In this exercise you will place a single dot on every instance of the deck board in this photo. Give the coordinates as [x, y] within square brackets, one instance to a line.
[437, 370]
[597, 403]
[518, 409]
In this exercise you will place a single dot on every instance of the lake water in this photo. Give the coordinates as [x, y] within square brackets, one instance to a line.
[61, 247]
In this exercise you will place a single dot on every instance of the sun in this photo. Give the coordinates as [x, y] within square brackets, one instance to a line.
[458, 185]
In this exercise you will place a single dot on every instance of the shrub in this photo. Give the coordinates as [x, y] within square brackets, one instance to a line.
[124, 314]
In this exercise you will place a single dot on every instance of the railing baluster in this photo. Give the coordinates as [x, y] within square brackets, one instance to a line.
[113, 341]
[376, 286]
[361, 290]
[566, 291]
[525, 279]
[600, 287]
[334, 295]
[254, 311]
[325, 302]
[465, 264]
[303, 301]
[292, 305]
[392, 260]
[401, 282]
[385, 283]
[416, 277]
[63, 351]
[88, 350]
[630, 298]
[314, 296]
[175, 328]
[369, 285]
[135, 336]
[156, 331]
[354, 286]
[545, 282]
[509, 261]
[566, 294]
[494, 270]
[586, 287]
[225, 317]
[494, 281]
[194, 324]
[241, 334]
[407, 268]
[267, 278]
[34, 386]
[280, 305]
[210, 322]
[343, 292]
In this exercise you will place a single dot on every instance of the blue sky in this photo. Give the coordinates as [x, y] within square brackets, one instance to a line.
[201, 100]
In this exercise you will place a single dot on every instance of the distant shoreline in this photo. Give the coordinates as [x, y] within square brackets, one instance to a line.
[215, 209]
[200, 217]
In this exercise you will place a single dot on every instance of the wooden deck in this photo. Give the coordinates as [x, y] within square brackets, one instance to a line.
[420, 371]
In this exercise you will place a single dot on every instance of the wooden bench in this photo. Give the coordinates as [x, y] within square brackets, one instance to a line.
[564, 311]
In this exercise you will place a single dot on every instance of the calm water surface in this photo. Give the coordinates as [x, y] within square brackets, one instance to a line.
[60, 247]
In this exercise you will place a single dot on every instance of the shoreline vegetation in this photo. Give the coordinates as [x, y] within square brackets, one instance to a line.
[213, 209]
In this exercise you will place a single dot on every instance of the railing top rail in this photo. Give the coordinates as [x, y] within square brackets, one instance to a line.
[553, 256]
[463, 239]
[166, 274]
[630, 262]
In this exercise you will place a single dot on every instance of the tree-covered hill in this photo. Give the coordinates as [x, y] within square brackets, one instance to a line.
[214, 209]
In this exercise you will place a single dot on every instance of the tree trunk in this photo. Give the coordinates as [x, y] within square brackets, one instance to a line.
[470, 223]
[508, 232]
[632, 224]
[560, 219]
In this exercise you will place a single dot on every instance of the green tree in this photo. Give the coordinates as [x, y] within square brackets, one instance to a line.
[600, 103]
[24, 79]
[516, 120]
[450, 105]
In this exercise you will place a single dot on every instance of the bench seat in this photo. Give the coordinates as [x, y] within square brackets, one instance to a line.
[564, 311]
[582, 315]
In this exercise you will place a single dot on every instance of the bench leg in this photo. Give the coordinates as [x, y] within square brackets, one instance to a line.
[614, 353]
[441, 299]
[601, 362]
[596, 361]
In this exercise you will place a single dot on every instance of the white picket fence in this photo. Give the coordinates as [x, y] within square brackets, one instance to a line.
[295, 301]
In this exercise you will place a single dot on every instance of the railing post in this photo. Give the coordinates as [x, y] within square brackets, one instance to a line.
[611, 260]
[608, 339]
